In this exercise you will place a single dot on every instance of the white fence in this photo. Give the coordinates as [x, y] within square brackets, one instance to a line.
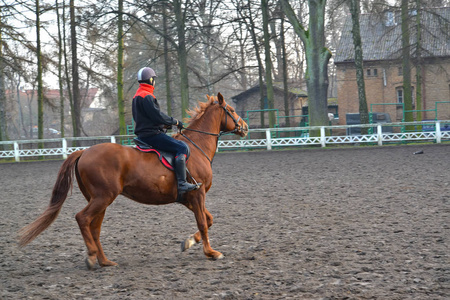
[271, 137]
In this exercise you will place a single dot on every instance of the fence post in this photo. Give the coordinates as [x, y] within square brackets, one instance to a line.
[64, 148]
[16, 152]
[379, 135]
[322, 136]
[438, 132]
[113, 139]
[269, 140]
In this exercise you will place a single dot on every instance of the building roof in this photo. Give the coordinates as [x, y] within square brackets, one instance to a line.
[381, 36]
[292, 91]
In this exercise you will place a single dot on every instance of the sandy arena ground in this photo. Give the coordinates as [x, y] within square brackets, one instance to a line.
[339, 223]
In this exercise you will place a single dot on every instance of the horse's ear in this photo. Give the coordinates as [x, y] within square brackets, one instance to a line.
[220, 98]
[207, 97]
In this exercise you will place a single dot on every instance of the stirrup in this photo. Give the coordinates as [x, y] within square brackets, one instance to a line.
[188, 187]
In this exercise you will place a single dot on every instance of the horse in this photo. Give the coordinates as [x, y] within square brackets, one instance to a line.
[107, 170]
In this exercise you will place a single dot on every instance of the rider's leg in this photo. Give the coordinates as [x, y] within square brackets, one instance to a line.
[181, 151]
[180, 172]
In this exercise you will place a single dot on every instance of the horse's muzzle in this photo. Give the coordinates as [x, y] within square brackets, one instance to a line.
[243, 130]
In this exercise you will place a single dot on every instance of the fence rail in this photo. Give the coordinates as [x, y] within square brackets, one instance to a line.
[271, 137]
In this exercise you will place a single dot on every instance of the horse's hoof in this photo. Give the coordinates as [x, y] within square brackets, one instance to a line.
[90, 263]
[108, 263]
[218, 257]
[188, 243]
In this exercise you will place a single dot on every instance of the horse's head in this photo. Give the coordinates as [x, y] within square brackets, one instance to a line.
[231, 121]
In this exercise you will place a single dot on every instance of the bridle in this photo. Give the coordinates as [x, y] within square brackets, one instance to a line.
[237, 128]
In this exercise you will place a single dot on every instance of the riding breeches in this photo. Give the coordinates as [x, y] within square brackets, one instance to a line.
[167, 143]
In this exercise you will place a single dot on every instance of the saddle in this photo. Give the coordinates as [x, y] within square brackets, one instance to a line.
[166, 158]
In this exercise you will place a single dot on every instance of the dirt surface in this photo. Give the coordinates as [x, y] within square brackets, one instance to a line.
[354, 223]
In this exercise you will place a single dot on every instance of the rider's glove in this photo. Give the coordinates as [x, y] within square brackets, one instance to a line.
[179, 124]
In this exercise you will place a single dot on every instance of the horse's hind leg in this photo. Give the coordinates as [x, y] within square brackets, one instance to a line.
[96, 226]
[89, 220]
[196, 237]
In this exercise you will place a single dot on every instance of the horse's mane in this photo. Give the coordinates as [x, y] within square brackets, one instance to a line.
[199, 110]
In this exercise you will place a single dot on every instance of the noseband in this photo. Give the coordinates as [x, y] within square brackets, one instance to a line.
[236, 122]
[227, 113]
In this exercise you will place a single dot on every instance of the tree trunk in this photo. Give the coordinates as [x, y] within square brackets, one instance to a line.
[317, 58]
[75, 76]
[120, 100]
[418, 64]
[3, 135]
[40, 91]
[363, 111]
[60, 77]
[182, 57]
[406, 64]
[242, 73]
[66, 71]
[268, 62]
[278, 72]
[167, 63]
[260, 64]
[287, 112]
[207, 36]
[19, 105]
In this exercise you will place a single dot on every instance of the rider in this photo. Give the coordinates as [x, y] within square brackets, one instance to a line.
[150, 123]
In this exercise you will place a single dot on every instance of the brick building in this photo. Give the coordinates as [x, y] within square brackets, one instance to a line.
[381, 42]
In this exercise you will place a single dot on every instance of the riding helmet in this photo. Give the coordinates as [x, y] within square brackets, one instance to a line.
[145, 74]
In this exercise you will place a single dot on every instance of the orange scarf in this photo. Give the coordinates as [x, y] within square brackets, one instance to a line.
[144, 90]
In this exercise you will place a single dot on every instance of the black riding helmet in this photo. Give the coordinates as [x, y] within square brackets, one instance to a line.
[146, 75]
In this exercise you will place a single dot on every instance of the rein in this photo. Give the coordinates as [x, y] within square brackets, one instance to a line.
[182, 134]
[214, 134]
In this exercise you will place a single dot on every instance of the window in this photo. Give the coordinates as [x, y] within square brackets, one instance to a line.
[400, 95]
[372, 72]
[400, 71]
[390, 18]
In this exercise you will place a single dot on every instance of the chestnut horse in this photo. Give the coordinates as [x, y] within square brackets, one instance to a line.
[107, 170]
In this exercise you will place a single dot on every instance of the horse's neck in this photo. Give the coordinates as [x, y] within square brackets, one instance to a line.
[208, 124]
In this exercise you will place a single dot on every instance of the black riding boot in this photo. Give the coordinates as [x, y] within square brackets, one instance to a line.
[180, 172]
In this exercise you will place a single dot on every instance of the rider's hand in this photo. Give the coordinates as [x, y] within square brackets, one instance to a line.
[179, 124]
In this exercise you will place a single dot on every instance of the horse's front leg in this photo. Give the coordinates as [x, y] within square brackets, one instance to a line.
[196, 237]
[198, 207]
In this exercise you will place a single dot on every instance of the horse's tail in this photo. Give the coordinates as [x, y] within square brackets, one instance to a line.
[62, 186]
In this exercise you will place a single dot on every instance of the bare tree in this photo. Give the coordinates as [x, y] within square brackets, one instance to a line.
[120, 50]
[76, 112]
[3, 130]
[317, 58]
[406, 62]
[248, 18]
[60, 71]
[268, 62]
[363, 111]
[418, 62]
[40, 90]
[167, 62]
